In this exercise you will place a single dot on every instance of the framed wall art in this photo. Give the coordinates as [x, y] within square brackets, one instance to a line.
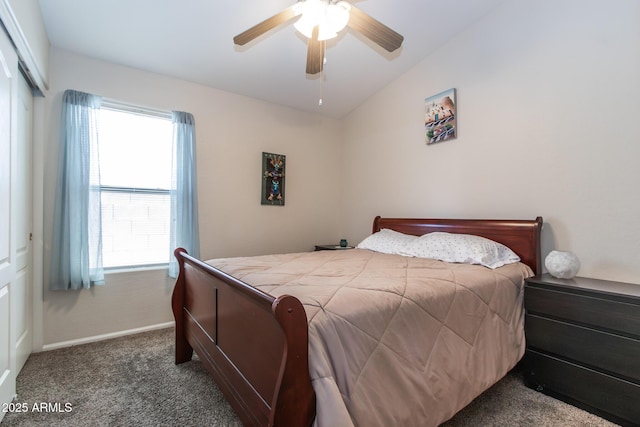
[273, 178]
[440, 120]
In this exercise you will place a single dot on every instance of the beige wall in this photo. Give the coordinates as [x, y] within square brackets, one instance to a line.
[232, 131]
[548, 106]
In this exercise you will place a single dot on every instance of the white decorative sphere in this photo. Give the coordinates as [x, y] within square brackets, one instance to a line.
[562, 264]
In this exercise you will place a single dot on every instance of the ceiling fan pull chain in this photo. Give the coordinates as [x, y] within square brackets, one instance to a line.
[324, 61]
[321, 78]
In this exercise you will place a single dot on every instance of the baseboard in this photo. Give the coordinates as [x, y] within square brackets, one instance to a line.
[95, 338]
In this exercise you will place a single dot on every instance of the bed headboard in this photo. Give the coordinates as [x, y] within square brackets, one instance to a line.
[521, 236]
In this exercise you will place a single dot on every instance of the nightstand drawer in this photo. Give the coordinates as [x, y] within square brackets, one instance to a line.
[607, 313]
[613, 353]
[593, 389]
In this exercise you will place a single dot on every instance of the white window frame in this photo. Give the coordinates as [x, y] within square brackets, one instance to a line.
[110, 104]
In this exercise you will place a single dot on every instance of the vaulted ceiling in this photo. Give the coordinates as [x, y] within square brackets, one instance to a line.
[193, 40]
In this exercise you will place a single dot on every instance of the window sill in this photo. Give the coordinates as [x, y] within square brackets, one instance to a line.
[135, 268]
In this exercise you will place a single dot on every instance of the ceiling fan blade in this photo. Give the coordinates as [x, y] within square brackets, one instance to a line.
[266, 25]
[374, 30]
[315, 53]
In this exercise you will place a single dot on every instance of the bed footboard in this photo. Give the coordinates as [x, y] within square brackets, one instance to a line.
[254, 345]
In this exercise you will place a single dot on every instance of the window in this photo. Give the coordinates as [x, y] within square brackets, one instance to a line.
[135, 147]
[147, 195]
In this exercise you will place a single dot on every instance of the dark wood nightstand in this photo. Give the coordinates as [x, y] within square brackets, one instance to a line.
[332, 247]
[583, 344]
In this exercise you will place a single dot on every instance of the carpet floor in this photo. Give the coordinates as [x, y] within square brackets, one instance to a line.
[132, 381]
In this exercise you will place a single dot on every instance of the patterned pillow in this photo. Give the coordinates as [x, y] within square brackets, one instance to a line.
[463, 248]
[386, 241]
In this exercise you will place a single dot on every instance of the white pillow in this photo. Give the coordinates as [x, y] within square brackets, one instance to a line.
[386, 241]
[463, 248]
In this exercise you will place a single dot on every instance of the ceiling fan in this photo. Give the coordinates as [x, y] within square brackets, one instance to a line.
[320, 20]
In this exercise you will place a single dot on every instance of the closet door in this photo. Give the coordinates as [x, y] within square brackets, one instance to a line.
[22, 289]
[8, 84]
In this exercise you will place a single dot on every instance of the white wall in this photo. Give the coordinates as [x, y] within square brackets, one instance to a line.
[232, 131]
[548, 108]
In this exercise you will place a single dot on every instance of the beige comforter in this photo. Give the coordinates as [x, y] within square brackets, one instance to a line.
[393, 340]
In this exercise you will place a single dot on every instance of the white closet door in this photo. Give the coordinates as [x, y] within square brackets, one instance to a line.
[22, 290]
[8, 87]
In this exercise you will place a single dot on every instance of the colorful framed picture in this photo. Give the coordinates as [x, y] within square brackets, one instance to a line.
[273, 177]
[440, 120]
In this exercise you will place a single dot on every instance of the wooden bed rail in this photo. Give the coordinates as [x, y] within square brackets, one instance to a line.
[264, 375]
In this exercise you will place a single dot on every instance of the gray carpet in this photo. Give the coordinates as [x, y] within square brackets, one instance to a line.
[132, 381]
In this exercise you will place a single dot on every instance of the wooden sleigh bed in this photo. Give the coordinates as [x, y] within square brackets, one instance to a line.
[256, 346]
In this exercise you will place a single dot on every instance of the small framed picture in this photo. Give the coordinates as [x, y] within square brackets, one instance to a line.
[273, 178]
[440, 120]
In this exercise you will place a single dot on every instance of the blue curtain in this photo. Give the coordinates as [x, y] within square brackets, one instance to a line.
[184, 191]
[77, 242]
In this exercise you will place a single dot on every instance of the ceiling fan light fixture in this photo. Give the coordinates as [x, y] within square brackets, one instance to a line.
[320, 20]
[336, 18]
[330, 18]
